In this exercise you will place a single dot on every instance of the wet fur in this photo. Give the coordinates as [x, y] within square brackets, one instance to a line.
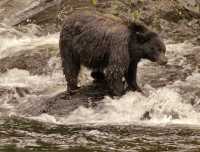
[105, 44]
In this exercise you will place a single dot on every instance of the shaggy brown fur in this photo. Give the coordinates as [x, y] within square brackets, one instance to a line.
[108, 46]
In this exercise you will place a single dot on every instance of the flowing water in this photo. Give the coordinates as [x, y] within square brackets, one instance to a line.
[165, 118]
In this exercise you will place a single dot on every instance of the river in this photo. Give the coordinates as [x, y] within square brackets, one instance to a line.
[165, 118]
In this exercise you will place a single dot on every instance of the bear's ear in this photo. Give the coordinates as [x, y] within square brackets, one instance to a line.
[145, 37]
[137, 27]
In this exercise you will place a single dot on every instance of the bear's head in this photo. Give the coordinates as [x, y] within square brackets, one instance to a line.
[147, 44]
[153, 48]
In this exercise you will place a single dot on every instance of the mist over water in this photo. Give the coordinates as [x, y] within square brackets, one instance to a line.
[171, 97]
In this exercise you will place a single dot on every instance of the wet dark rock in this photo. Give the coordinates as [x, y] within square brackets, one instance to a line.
[146, 116]
[63, 103]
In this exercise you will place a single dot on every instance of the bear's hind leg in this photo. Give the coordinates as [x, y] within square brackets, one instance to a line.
[98, 75]
[71, 68]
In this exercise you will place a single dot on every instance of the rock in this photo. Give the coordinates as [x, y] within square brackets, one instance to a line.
[34, 61]
[10, 7]
[191, 5]
[63, 103]
[33, 8]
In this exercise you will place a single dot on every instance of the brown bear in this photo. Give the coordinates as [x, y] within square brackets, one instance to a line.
[109, 46]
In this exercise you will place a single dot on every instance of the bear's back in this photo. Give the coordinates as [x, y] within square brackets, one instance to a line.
[95, 36]
[90, 19]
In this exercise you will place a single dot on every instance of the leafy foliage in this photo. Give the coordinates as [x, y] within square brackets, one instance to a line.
[94, 2]
[127, 9]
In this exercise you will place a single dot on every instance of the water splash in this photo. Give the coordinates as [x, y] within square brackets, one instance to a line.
[13, 41]
[163, 105]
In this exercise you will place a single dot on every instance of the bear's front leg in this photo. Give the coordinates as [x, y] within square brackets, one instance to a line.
[131, 77]
[118, 64]
[114, 79]
[117, 87]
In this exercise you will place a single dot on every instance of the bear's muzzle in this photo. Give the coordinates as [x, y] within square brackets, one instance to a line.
[162, 59]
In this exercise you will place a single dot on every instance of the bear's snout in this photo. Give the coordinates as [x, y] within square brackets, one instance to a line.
[162, 59]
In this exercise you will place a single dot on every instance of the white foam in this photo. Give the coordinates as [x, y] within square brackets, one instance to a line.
[46, 118]
[165, 105]
[22, 78]
[10, 46]
[194, 79]
[13, 41]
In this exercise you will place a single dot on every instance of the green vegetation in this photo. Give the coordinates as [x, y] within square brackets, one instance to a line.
[124, 8]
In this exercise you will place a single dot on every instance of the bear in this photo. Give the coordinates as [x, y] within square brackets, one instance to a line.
[108, 45]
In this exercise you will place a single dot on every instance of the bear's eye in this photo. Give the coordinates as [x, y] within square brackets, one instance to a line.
[162, 50]
[152, 48]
